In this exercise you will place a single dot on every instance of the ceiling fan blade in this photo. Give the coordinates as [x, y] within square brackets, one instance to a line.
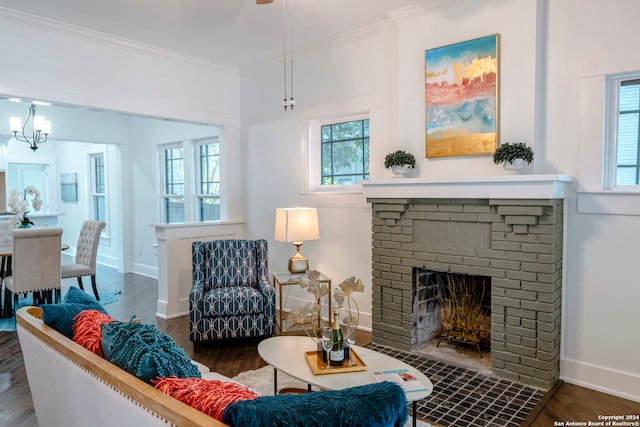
[264, 1]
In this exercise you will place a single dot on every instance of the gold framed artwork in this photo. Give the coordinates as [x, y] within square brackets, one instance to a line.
[461, 98]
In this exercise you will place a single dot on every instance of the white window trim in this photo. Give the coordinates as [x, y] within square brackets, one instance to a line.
[106, 231]
[188, 180]
[313, 117]
[197, 166]
[596, 155]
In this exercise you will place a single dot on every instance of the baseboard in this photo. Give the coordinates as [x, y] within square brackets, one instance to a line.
[622, 384]
[144, 270]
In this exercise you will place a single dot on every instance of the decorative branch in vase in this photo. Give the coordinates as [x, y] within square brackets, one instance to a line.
[307, 316]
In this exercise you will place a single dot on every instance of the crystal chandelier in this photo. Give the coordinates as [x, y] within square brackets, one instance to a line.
[41, 128]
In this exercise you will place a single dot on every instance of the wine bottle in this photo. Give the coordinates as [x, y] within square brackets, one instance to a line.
[336, 357]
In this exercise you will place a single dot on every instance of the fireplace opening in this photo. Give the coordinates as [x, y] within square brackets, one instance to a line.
[452, 317]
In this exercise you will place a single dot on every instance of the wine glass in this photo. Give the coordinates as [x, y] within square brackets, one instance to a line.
[327, 343]
[351, 340]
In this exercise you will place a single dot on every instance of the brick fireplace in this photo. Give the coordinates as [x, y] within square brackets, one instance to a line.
[509, 229]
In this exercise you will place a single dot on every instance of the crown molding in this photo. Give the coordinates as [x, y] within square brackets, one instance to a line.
[80, 33]
[428, 7]
[373, 29]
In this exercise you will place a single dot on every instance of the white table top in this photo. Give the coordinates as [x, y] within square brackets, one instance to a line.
[287, 354]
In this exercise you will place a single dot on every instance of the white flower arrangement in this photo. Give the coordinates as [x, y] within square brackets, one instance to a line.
[19, 205]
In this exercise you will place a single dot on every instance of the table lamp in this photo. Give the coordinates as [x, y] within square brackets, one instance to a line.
[295, 225]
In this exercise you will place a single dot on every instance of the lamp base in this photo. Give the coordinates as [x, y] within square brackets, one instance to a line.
[298, 264]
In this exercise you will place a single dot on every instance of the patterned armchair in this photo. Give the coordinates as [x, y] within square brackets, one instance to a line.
[231, 294]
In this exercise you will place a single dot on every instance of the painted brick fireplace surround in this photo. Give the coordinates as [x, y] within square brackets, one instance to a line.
[507, 228]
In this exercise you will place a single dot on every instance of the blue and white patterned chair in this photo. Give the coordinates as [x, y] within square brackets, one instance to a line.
[231, 294]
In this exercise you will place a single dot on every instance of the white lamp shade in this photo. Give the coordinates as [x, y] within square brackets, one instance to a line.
[296, 224]
[15, 124]
[38, 122]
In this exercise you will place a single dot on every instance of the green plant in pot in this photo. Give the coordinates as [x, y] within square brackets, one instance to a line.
[400, 162]
[513, 155]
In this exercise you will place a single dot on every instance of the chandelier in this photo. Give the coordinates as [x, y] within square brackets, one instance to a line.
[41, 128]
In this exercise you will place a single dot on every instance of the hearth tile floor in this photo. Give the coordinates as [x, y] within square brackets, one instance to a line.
[465, 398]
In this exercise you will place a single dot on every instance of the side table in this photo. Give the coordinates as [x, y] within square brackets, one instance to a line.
[281, 280]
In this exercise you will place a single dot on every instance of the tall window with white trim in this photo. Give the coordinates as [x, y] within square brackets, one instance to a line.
[98, 193]
[628, 133]
[209, 173]
[191, 181]
[173, 189]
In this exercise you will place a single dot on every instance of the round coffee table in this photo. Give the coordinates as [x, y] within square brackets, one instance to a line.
[287, 354]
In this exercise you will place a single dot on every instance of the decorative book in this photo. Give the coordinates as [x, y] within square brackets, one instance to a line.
[402, 377]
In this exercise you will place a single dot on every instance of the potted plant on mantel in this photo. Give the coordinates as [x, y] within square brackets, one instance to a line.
[512, 156]
[400, 162]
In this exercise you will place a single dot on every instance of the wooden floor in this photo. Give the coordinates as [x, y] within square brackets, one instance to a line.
[138, 298]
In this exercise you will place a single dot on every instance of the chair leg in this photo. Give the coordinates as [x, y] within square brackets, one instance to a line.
[80, 282]
[95, 289]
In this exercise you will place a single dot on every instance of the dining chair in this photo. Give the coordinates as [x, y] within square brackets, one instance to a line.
[86, 253]
[36, 262]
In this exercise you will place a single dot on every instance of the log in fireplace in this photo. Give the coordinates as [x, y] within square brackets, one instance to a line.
[452, 307]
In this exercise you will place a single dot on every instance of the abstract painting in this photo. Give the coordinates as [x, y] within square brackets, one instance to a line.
[461, 98]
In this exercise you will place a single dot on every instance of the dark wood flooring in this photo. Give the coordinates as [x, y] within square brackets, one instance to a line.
[139, 294]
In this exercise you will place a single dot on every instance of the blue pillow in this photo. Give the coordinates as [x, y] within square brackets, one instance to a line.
[60, 316]
[376, 404]
[145, 352]
[75, 294]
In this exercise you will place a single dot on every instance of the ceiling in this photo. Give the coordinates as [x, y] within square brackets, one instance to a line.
[232, 32]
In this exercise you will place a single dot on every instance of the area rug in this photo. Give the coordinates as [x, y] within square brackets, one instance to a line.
[261, 380]
[9, 324]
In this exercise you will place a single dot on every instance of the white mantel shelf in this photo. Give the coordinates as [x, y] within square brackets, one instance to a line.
[483, 187]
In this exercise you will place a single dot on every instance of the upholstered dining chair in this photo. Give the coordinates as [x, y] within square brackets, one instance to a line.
[86, 253]
[36, 262]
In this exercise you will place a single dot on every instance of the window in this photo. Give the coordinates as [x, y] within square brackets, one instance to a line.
[340, 142]
[345, 152]
[174, 184]
[98, 193]
[209, 195]
[627, 141]
[191, 181]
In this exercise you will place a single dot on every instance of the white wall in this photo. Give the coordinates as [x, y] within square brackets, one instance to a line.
[601, 293]
[80, 68]
[273, 162]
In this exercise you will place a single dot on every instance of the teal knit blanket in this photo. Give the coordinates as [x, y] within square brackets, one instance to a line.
[378, 404]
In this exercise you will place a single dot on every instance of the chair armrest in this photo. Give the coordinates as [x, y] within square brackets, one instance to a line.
[266, 287]
[196, 295]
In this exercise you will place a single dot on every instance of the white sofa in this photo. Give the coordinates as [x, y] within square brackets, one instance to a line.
[72, 386]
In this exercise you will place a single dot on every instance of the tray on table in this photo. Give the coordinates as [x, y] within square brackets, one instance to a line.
[316, 363]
